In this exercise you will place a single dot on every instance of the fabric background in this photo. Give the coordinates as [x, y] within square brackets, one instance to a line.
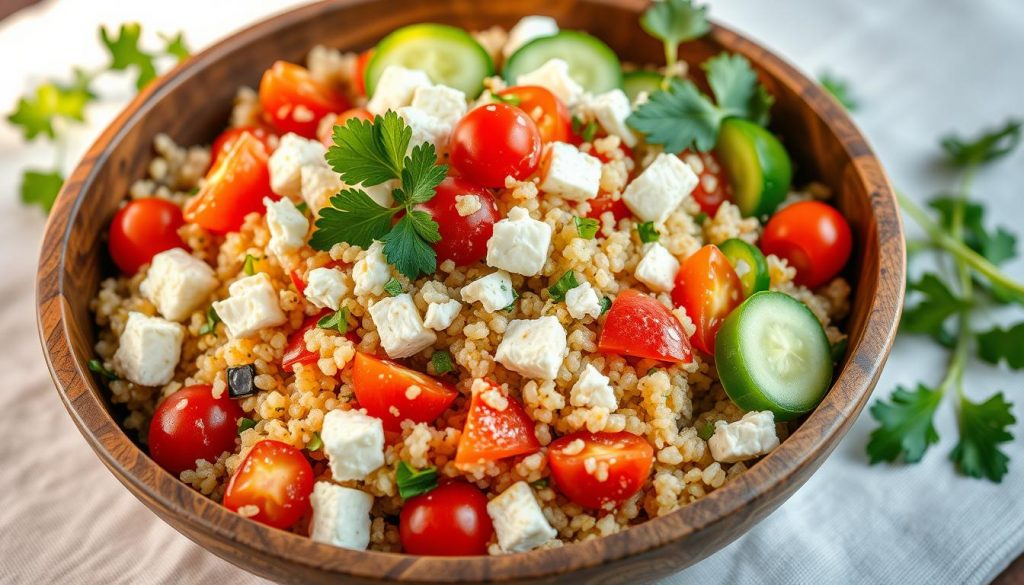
[920, 68]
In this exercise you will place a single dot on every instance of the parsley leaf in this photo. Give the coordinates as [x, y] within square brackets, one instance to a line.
[840, 89]
[936, 306]
[352, 217]
[997, 247]
[337, 321]
[734, 85]
[245, 424]
[606, 304]
[175, 46]
[442, 362]
[983, 426]
[586, 227]
[412, 482]
[249, 267]
[315, 442]
[212, 318]
[998, 344]
[706, 430]
[647, 232]
[41, 188]
[393, 287]
[906, 425]
[566, 283]
[407, 247]
[96, 366]
[370, 152]
[420, 176]
[674, 22]
[989, 146]
[125, 52]
[35, 114]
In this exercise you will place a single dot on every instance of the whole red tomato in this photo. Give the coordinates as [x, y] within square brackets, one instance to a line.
[450, 520]
[191, 424]
[142, 229]
[814, 237]
[493, 142]
[463, 237]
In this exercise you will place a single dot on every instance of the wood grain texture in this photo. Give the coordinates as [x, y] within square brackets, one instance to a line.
[191, 104]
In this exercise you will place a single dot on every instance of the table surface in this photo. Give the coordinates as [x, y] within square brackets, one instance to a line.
[919, 69]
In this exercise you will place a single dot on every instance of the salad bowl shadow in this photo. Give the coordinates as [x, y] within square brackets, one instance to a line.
[191, 102]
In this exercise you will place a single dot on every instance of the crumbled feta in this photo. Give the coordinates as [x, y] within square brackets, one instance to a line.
[442, 102]
[318, 185]
[593, 389]
[658, 268]
[341, 516]
[177, 283]
[518, 519]
[534, 348]
[425, 129]
[252, 305]
[285, 165]
[326, 288]
[554, 76]
[527, 29]
[371, 272]
[582, 300]
[353, 443]
[467, 204]
[400, 327]
[493, 291]
[441, 315]
[610, 110]
[395, 89]
[574, 175]
[519, 243]
[381, 194]
[148, 350]
[751, 436]
[288, 227]
[660, 188]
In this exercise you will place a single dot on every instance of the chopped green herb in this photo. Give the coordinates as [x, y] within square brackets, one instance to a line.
[125, 52]
[512, 305]
[589, 131]
[245, 424]
[989, 146]
[393, 287]
[337, 321]
[701, 218]
[96, 366]
[175, 46]
[36, 114]
[839, 349]
[937, 306]
[566, 283]
[315, 443]
[840, 89]
[647, 232]
[212, 318]
[706, 430]
[41, 188]
[412, 482]
[302, 206]
[586, 227]
[674, 22]
[511, 99]
[249, 267]
[606, 303]
[540, 483]
[442, 362]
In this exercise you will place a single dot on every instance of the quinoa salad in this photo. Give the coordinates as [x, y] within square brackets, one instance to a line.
[473, 292]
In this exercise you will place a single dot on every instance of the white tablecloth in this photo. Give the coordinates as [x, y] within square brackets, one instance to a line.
[919, 67]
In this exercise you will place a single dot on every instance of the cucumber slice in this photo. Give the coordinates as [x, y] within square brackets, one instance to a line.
[448, 55]
[757, 164]
[772, 354]
[749, 263]
[635, 82]
[593, 64]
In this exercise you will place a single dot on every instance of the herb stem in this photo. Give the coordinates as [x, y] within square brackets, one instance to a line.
[955, 375]
[671, 55]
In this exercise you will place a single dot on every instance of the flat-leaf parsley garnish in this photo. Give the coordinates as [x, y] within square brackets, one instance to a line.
[674, 22]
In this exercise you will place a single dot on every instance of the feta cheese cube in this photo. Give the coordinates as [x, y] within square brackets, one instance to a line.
[442, 102]
[610, 110]
[592, 389]
[659, 190]
[252, 305]
[527, 29]
[341, 516]
[400, 327]
[353, 443]
[554, 76]
[493, 291]
[318, 185]
[326, 288]
[582, 301]
[519, 243]
[658, 268]
[382, 193]
[395, 89]
[533, 348]
[574, 175]
[440, 316]
[425, 128]
[288, 228]
[177, 283]
[518, 519]
[148, 350]
[285, 165]
[371, 272]
[751, 436]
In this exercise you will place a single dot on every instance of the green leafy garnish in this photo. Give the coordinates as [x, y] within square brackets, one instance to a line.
[510, 99]
[990, 145]
[125, 53]
[706, 430]
[315, 442]
[302, 207]
[412, 482]
[96, 366]
[393, 287]
[245, 424]
[512, 305]
[175, 46]
[212, 318]
[674, 22]
[249, 266]
[586, 227]
[566, 283]
[982, 429]
[998, 345]
[840, 89]
[442, 362]
[647, 232]
[906, 425]
[929, 316]
[606, 303]
[540, 483]
[36, 114]
[41, 188]
[996, 246]
[701, 218]
[336, 321]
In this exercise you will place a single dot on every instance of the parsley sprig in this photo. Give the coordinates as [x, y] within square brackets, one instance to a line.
[674, 22]
[372, 153]
[840, 89]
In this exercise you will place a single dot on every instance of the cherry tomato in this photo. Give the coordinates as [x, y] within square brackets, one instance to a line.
[546, 110]
[450, 520]
[493, 142]
[191, 424]
[294, 101]
[277, 479]
[604, 202]
[384, 387]
[142, 229]
[297, 282]
[234, 187]
[325, 131]
[359, 77]
[463, 238]
[638, 325]
[295, 352]
[708, 288]
[625, 458]
[227, 139]
[492, 434]
[814, 237]
[713, 188]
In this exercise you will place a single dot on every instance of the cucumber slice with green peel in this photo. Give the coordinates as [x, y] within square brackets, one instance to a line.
[593, 64]
[448, 55]
[636, 82]
[749, 263]
[772, 354]
[757, 164]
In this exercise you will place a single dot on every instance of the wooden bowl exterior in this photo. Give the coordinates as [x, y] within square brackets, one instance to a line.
[192, 102]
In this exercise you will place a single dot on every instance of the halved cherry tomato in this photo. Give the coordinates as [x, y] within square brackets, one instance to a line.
[277, 479]
[450, 520]
[604, 202]
[394, 393]
[227, 139]
[295, 352]
[359, 76]
[142, 229]
[638, 325]
[549, 113]
[493, 142]
[621, 463]
[463, 238]
[297, 282]
[294, 101]
[713, 186]
[234, 187]
[325, 131]
[191, 424]
[492, 434]
[708, 288]
[814, 237]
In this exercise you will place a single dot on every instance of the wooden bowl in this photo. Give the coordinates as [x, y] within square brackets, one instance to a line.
[192, 103]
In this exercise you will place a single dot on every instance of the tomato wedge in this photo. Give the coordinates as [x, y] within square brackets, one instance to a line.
[708, 288]
[713, 186]
[492, 434]
[294, 101]
[234, 187]
[550, 114]
[621, 463]
[227, 139]
[277, 479]
[638, 325]
[359, 77]
[386, 390]
[604, 202]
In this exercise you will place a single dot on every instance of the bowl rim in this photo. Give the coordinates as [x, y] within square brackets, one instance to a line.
[182, 506]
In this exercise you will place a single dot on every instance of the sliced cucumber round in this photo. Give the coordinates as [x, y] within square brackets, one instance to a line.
[749, 263]
[636, 82]
[772, 354]
[448, 55]
[593, 64]
[757, 164]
